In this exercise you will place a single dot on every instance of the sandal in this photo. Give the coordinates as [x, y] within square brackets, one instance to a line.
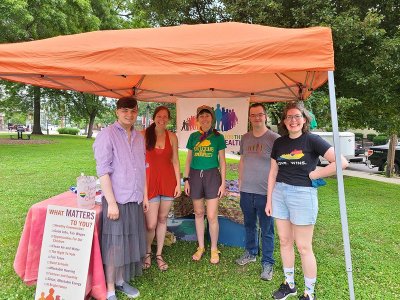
[147, 261]
[215, 256]
[162, 265]
[198, 254]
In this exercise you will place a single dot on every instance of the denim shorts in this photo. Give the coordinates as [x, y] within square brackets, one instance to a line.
[159, 198]
[299, 204]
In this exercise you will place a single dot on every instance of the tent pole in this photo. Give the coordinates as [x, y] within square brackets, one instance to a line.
[339, 173]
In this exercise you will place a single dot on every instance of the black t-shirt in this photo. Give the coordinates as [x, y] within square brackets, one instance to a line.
[296, 158]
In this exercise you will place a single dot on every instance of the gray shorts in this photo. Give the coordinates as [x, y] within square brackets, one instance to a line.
[204, 183]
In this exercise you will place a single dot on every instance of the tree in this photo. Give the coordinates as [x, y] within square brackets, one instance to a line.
[76, 107]
[363, 31]
[177, 12]
[119, 14]
[87, 107]
[31, 20]
[14, 16]
[23, 20]
[387, 75]
[369, 64]
[15, 97]
[366, 53]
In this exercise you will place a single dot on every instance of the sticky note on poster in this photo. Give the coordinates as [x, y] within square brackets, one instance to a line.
[65, 254]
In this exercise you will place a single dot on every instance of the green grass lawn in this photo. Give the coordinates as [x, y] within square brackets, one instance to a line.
[30, 173]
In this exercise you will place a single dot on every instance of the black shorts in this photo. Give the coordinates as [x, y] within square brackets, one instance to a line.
[204, 183]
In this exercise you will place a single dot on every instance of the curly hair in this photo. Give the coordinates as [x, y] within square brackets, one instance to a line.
[295, 105]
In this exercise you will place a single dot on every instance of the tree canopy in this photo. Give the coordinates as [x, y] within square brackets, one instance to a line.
[366, 41]
[24, 20]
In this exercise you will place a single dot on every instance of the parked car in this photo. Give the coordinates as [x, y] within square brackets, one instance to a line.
[359, 150]
[377, 156]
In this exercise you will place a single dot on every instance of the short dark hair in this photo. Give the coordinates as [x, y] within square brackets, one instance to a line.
[126, 102]
[258, 104]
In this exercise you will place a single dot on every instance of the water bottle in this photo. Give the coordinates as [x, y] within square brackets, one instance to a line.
[86, 191]
[99, 193]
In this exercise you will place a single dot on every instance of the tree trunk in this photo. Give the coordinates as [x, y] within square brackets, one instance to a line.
[390, 155]
[91, 122]
[36, 110]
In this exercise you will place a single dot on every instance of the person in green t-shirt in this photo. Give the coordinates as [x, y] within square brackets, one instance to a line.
[203, 180]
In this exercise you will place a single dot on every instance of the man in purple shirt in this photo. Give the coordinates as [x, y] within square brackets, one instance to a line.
[119, 151]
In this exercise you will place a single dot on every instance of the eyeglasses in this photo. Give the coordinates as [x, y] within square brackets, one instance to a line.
[257, 115]
[294, 117]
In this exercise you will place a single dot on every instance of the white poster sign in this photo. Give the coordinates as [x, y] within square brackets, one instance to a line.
[231, 116]
[65, 254]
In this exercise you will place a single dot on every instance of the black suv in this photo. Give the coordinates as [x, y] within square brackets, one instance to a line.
[377, 156]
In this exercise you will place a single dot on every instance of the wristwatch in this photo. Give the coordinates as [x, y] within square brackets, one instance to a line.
[185, 179]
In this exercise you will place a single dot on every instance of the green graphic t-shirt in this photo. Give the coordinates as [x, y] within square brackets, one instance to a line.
[205, 153]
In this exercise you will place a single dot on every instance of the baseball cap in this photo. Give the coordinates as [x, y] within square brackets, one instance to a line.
[205, 108]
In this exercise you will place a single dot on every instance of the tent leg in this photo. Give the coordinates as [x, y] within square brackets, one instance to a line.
[342, 200]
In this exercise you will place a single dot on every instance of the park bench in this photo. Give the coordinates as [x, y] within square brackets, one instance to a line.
[20, 136]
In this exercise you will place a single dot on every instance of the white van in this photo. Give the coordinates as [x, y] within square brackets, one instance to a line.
[347, 143]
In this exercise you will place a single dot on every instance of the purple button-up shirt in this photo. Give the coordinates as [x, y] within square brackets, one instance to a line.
[124, 162]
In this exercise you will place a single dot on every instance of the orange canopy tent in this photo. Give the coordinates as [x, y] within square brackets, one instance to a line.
[190, 61]
[161, 64]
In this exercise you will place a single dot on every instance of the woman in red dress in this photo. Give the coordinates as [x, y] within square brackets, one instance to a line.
[163, 181]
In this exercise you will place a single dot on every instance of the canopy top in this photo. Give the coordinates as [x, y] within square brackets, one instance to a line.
[161, 64]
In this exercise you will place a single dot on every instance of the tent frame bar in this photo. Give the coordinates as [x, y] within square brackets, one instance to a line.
[39, 75]
[103, 87]
[186, 94]
[297, 95]
[58, 82]
[52, 79]
[286, 85]
[339, 173]
[310, 88]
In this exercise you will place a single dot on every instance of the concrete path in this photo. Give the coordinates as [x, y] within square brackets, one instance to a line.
[376, 177]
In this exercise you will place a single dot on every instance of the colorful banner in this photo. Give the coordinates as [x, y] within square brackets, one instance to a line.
[231, 117]
[65, 254]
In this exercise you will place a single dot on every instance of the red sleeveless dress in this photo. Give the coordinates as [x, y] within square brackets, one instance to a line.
[160, 173]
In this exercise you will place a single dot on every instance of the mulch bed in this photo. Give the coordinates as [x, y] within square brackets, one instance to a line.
[228, 207]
